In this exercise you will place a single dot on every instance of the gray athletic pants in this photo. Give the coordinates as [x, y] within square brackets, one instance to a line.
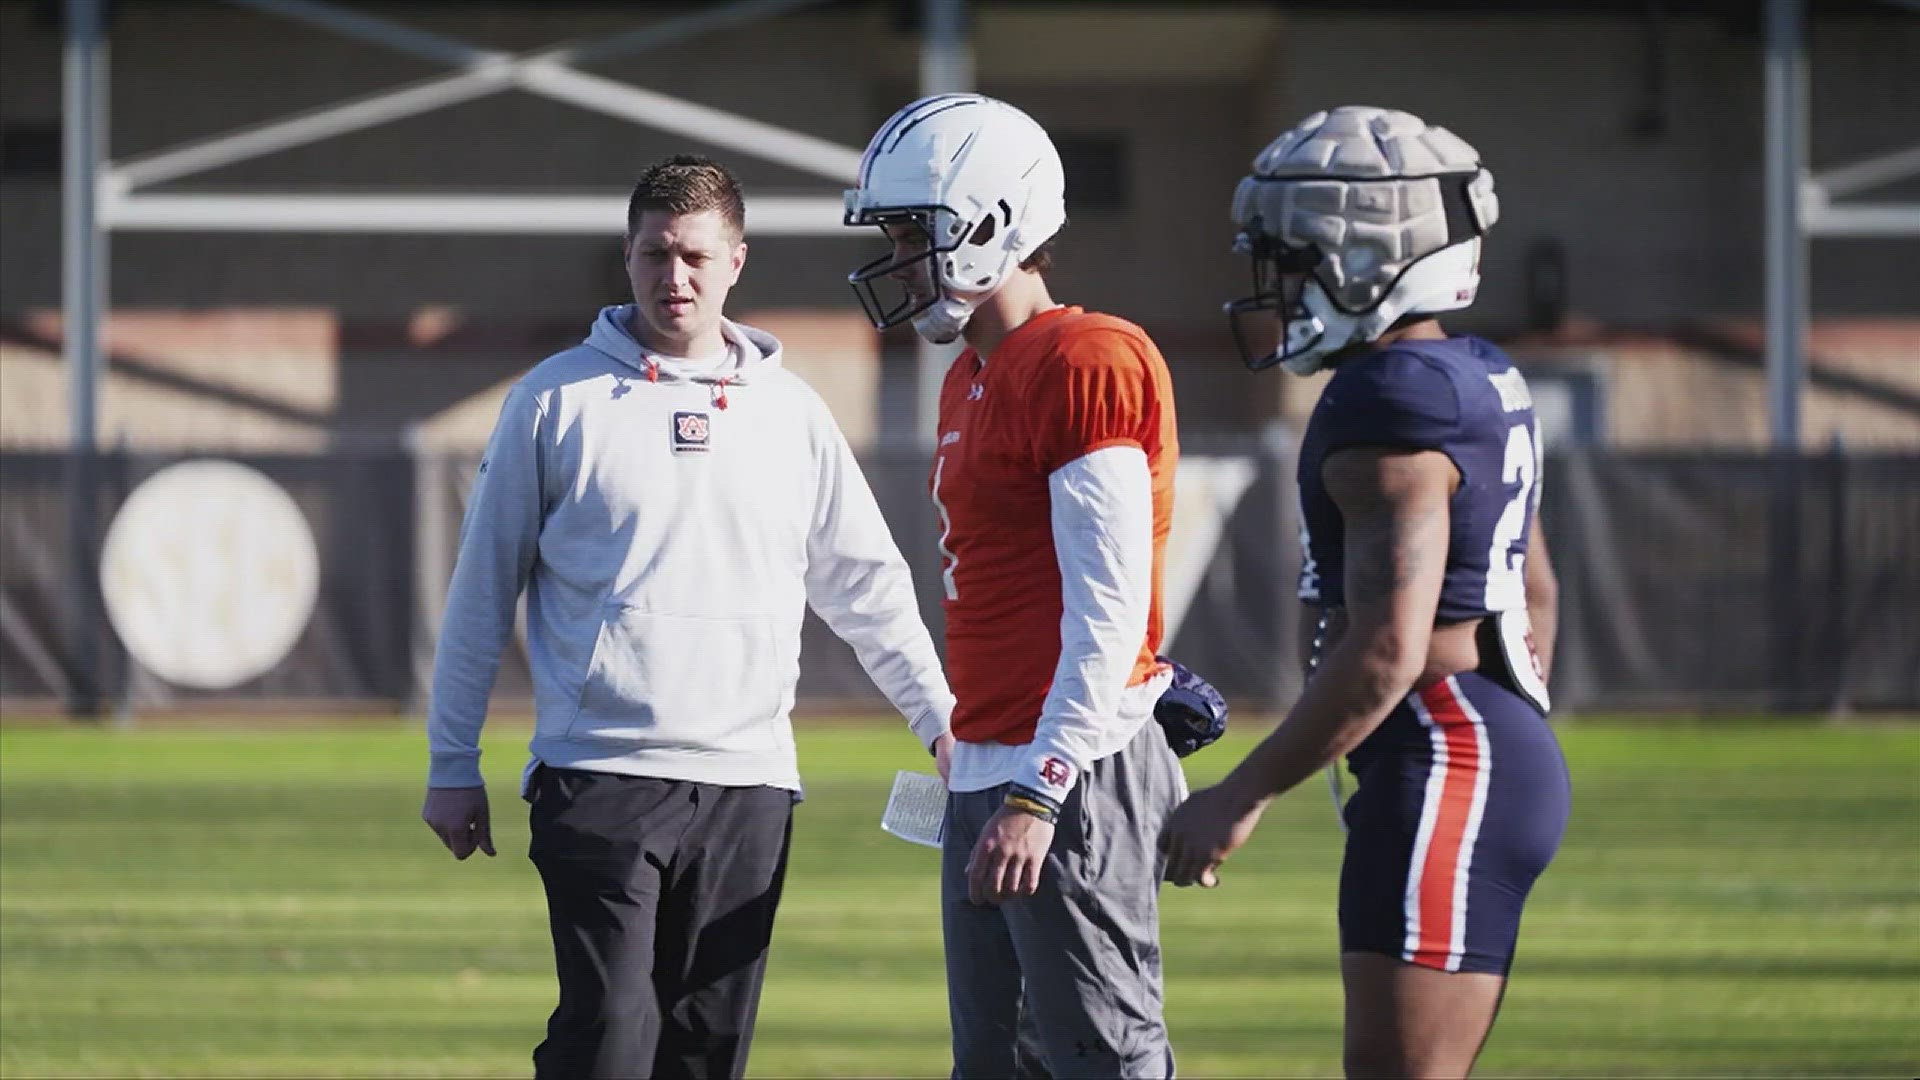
[1071, 975]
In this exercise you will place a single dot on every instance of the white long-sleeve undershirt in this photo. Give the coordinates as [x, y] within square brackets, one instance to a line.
[1102, 512]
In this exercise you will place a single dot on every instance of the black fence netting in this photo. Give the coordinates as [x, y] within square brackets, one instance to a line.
[1688, 580]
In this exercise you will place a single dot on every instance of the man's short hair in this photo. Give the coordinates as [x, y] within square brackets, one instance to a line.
[1041, 261]
[689, 184]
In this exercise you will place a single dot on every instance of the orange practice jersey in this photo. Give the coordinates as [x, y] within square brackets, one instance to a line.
[1061, 386]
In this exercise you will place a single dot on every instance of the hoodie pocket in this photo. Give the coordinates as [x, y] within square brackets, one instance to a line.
[681, 682]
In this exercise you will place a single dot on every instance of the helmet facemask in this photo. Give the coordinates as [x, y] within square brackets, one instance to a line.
[1274, 323]
[938, 280]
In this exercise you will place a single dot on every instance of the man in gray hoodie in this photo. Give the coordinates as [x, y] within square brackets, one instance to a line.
[669, 499]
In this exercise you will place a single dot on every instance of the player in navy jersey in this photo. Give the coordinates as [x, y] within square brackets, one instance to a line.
[1429, 597]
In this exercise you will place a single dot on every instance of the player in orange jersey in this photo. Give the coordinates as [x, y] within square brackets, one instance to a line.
[1053, 479]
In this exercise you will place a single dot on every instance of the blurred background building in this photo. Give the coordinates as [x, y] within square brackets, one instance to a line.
[363, 369]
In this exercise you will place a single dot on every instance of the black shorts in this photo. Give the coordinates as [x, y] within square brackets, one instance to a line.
[1462, 801]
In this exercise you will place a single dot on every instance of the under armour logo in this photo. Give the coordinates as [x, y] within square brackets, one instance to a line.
[976, 392]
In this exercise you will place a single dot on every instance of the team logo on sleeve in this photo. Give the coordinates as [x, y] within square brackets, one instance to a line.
[692, 432]
[1055, 772]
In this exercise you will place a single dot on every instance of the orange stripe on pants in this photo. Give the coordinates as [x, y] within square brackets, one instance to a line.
[1439, 875]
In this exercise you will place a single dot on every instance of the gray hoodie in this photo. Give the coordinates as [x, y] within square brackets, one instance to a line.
[669, 524]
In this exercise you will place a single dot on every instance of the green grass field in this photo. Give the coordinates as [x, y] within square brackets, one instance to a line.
[1732, 899]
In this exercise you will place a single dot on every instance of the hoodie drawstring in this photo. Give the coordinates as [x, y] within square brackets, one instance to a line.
[720, 391]
[653, 370]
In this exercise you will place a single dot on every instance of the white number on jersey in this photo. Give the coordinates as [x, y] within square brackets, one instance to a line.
[1309, 584]
[948, 561]
[1506, 566]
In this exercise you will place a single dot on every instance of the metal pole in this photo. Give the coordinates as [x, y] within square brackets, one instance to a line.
[946, 66]
[1786, 241]
[946, 56]
[1786, 146]
[83, 135]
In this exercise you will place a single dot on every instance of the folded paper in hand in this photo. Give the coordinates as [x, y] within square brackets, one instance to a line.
[917, 809]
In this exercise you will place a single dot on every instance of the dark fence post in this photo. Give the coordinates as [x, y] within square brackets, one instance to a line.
[83, 582]
[1838, 586]
[1785, 612]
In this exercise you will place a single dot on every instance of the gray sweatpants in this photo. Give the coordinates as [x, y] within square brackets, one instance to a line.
[1071, 974]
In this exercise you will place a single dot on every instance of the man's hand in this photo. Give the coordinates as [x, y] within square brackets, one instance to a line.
[943, 755]
[1007, 861]
[458, 816]
[1204, 830]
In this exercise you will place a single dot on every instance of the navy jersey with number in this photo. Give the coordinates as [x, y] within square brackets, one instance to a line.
[1464, 398]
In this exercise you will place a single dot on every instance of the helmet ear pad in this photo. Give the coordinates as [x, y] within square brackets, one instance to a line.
[1445, 280]
[962, 286]
[980, 261]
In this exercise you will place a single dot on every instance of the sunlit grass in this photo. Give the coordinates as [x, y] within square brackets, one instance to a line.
[1731, 899]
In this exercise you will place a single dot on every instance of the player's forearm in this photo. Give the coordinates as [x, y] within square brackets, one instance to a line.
[1543, 612]
[1102, 510]
[1307, 630]
[1356, 686]
[1395, 508]
[1543, 597]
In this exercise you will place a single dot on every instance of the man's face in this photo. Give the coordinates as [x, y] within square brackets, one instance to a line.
[681, 268]
[1263, 330]
[910, 242]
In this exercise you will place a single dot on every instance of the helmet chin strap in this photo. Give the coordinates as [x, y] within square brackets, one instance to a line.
[944, 322]
[947, 318]
[1317, 333]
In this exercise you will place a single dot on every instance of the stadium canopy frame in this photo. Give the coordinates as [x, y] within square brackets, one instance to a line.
[1801, 206]
[99, 195]
[548, 73]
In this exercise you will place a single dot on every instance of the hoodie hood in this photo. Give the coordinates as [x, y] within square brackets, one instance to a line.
[752, 350]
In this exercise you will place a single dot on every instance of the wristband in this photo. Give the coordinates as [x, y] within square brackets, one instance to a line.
[1028, 801]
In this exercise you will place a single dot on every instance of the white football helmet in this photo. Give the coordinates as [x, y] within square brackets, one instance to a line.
[980, 181]
[1382, 213]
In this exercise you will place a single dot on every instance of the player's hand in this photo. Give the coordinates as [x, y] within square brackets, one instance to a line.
[458, 816]
[943, 755]
[1007, 861]
[1205, 830]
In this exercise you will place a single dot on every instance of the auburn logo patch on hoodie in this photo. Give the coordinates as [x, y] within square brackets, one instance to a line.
[692, 432]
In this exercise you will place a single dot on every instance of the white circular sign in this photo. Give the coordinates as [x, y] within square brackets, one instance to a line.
[210, 573]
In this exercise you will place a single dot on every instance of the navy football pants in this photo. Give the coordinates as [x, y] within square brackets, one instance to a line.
[1462, 801]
